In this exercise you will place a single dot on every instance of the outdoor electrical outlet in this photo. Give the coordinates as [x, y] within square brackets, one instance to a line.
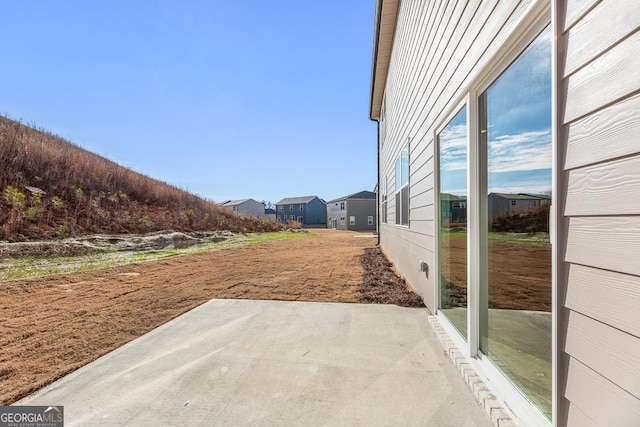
[423, 266]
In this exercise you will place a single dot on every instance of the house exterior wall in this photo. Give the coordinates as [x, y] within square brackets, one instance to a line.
[313, 213]
[248, 207]
[286, 211]
[251, 207]
[339, 213]
[439, 50]
[598, 212]
[316, 213]
[335, 212]
[361, 209]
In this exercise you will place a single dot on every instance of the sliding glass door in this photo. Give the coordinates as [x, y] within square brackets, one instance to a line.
[515, 130]
[507, 250]
[452, 143]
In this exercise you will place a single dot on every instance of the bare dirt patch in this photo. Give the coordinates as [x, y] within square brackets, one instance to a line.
[53, 325]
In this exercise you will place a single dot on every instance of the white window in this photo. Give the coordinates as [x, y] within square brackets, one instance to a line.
[352, 220]
[300, 219]
[292, 217]
[512, 112]
[301, 206]
[281, 208]
[402, 188]
[291, 208]
[370, 220]
[341, 220]
[341, 206]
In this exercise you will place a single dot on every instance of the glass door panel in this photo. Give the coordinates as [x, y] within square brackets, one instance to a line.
[452, 143]
[515, 128]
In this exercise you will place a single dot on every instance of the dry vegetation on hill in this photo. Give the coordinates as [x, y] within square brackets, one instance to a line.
[52, 188]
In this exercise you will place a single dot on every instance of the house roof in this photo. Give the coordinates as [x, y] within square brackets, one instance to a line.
[522, 196]
[237, 202]
[359, 195]
[451, 197]
[297, 200]
[384, 30]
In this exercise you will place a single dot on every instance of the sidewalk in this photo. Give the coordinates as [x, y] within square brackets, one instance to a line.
[244, 362]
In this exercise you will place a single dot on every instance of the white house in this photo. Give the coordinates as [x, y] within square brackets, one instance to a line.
[519, 97]
[247, 207]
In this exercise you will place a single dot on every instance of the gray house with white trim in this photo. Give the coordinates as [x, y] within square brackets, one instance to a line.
[518, 97]
[505, 203]
[357, 211]
[248, 207]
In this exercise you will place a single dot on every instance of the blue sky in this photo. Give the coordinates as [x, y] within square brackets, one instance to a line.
[225, 99]
[519, 124]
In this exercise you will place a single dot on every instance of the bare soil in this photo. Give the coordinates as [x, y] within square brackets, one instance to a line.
[54, 325]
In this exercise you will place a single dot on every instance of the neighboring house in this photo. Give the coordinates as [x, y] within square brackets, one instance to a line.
[248, 207]
[453, 208]
[501, 203]
[307, 210]
[270, 214]
[531, 97]
[353, 212]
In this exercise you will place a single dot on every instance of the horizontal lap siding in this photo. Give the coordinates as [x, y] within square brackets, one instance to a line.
[438, 50]
[599, 145]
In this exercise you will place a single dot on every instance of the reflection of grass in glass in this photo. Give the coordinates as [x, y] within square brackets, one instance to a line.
[458, 318]
[535, 239]
[453, 268]
[519, 344]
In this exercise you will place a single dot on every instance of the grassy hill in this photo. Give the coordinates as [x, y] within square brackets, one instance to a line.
[51, 188]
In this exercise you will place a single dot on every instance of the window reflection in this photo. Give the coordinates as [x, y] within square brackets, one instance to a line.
[453, 221]
[515, 127]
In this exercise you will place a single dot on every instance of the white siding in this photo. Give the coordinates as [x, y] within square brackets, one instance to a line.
[599, 148]
[439, 49]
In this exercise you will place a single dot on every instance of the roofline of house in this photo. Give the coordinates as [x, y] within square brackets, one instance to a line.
[344, 199]
[296, 203]
[376, 38]
[350, 197]
[386, 14]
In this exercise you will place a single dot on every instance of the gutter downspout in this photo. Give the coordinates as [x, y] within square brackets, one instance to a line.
[376, 38]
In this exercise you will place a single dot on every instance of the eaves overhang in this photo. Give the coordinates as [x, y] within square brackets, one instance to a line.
[385, 27]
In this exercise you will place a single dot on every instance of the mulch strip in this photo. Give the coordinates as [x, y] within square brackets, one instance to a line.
[381, 285]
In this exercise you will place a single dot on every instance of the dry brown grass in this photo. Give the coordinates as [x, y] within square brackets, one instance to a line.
[87, 193]
[53, 325]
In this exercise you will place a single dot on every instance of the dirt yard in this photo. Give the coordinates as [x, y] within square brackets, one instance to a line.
[54, 325]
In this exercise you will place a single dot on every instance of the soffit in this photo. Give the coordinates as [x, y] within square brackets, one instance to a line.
[385, 27]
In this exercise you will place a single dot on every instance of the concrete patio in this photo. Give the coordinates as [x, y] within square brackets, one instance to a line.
[244, 362]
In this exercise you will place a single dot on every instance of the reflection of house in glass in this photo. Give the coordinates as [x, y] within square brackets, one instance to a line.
[453, 209]
[505, 203]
